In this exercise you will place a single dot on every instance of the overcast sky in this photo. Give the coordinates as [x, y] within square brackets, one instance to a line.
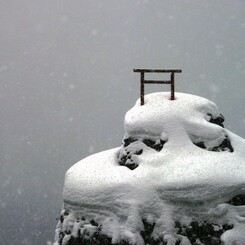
[66, 82]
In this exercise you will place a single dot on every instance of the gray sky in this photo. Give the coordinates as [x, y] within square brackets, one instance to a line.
[66, 82]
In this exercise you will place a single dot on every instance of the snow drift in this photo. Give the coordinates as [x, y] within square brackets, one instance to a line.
[177, 165]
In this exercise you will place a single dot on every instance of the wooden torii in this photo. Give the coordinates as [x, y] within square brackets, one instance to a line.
[143, 81]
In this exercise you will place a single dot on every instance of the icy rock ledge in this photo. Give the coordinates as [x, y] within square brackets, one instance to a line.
[176, 180]
[77, 230]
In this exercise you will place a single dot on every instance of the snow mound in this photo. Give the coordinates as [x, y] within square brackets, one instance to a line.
[179, 163]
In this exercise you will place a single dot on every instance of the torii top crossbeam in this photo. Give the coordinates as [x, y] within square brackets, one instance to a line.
[143, 81]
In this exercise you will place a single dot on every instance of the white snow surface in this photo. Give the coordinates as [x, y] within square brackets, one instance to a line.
[182, 182]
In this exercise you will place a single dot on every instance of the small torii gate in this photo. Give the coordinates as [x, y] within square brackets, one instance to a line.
[143, 81]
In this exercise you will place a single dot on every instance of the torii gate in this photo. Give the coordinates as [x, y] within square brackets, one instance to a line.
[143, 81]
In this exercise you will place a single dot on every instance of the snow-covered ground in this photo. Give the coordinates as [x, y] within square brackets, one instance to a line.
[179, 182]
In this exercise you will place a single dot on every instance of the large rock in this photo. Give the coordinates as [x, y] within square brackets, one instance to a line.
[178, 178]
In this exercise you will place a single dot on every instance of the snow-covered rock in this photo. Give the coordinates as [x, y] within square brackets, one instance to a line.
[171, 182]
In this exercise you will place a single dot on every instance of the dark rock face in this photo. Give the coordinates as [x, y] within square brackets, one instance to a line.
[197, 232]
[219, 120]
[154, 144]
[98, 239]
[225, 144]
[83, 235]
[238, 200]
[146, 234]
[203, 232]
[132, 147]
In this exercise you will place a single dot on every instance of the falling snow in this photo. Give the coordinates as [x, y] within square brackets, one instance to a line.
[66, 81]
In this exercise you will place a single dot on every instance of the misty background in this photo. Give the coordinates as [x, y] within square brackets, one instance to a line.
[66, 82]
